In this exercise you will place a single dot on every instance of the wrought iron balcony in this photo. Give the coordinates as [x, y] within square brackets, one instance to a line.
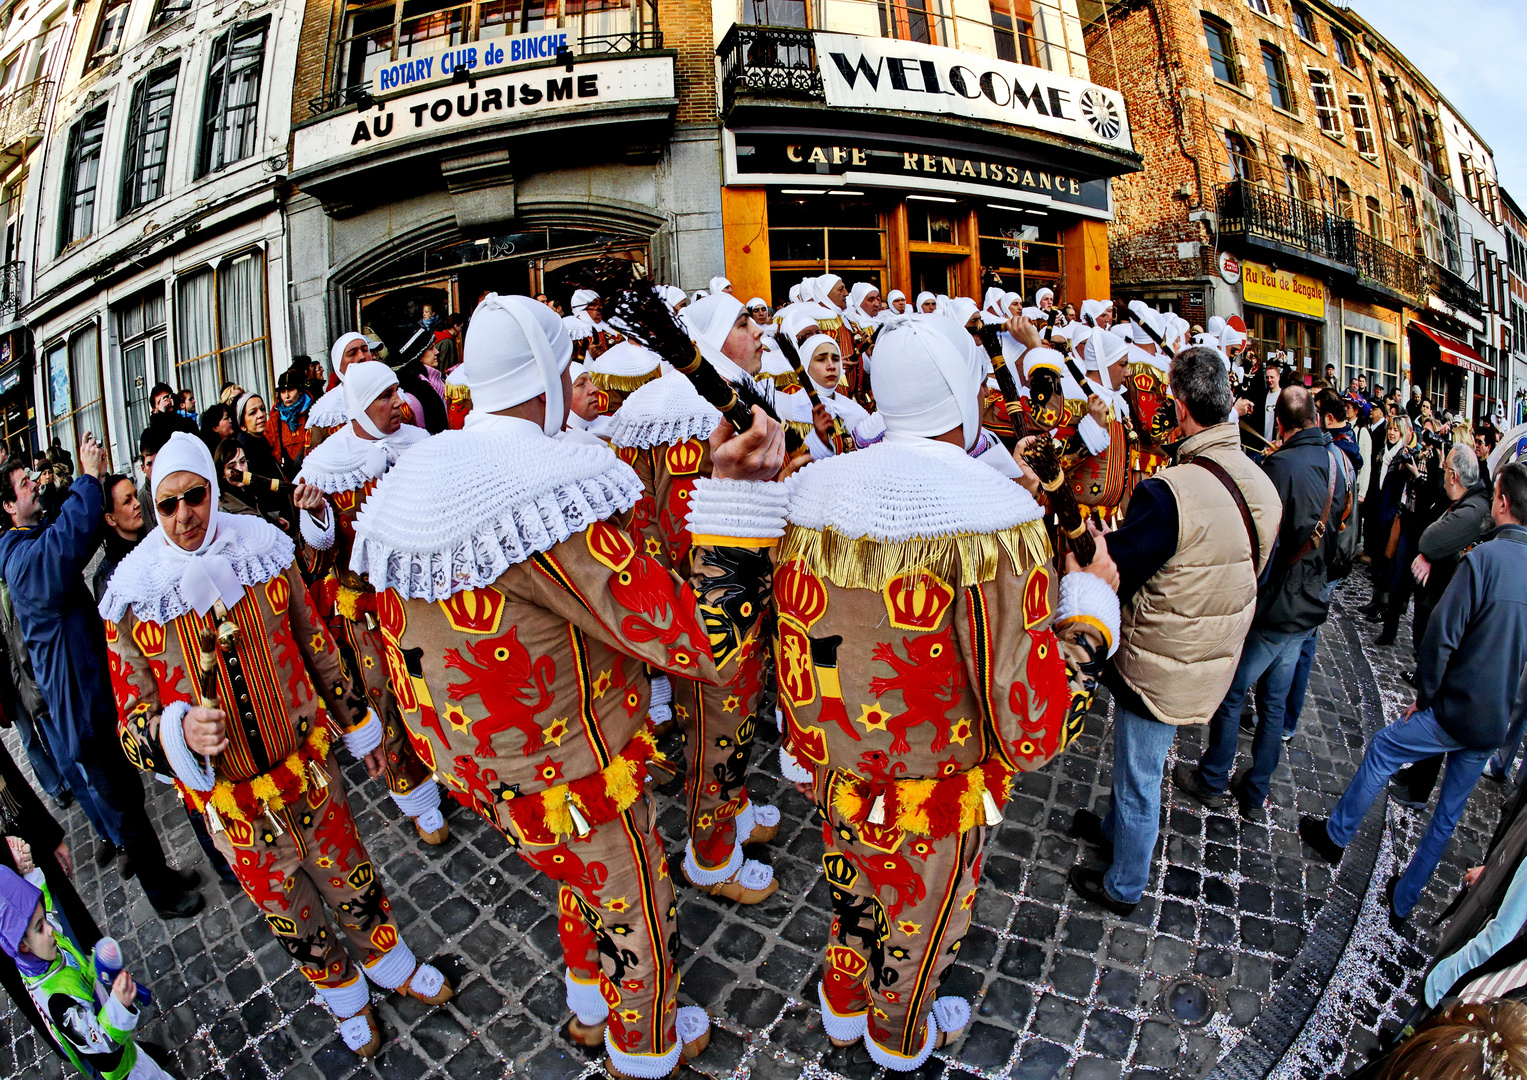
[768, 62]
[12, 274]
[1265, 218]
[23, 112]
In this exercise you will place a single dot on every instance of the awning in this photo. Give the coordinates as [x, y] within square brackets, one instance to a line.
[1456, 352]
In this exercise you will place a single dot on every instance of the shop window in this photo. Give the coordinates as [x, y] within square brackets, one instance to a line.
[1242, 157]
[1326, 109]
[230, 117]
[811, 235]
[1374, 358]
[144, 348]
[75, 402]
[1345, 54]
[1298, 340]
[932, 226]
[1375, 217]
[108, 33]
[220, 327]
[82, 168]
[148, 138]
[1304, 23]
[913, 20]
[1278, 89]
[1023, 249]
[167, 11]
[1221, 51]
[1362, 127]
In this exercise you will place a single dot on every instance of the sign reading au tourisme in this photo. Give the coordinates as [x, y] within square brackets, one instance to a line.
[906, 76]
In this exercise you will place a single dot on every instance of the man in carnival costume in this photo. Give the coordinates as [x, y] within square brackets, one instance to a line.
[517, 619]
[329, 413]
[226, 678]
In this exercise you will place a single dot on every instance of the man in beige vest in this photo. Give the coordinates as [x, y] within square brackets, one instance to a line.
[1189, 553]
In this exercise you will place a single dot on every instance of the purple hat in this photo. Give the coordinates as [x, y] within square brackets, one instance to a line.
[18, 900]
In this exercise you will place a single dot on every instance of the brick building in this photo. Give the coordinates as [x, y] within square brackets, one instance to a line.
[1296, 175]
[918, 146]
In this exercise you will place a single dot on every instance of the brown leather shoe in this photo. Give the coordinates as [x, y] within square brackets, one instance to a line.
[436, 838]
[590, 1035]
[439, 997]
[734, 890]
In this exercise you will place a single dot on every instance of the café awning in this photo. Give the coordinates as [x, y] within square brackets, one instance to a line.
[1456, 352]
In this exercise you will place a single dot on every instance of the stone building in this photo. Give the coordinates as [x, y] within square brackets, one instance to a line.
[1296, 175]
[1515, 231]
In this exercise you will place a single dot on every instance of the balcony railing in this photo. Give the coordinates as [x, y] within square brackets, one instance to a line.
[1261, 215]
[23, 112]
[768, 62]
[12, 274]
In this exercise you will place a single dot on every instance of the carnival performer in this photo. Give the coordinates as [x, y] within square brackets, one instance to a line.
[329, 413]
[922, 662]
[661, 432]
[346, 468]
[590, 334]
[226, 678]
[517, 617]
[824, 367]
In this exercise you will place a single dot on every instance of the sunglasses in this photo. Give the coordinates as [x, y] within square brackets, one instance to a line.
[194, 497]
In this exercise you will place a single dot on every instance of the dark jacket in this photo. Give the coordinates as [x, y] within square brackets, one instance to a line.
[1462, 524]
[115, 549]
[19, 664]
[45, 570]
[1345, 440]
[1476, 642]
[1291, 597]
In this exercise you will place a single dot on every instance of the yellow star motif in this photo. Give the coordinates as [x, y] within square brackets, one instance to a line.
[969, 899]
[654, 548]
[681, 712]
[662, 869]
[961, 731]
[317, 643]
[601, 684]
[325, 862]
[873, 717]
[731, 703]
[908, 927]
[556, 732]
[368, 662]
[617, 904]
[458, 720]
[630, 1016]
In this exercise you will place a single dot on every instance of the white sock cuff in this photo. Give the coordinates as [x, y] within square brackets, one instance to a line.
[585, 1001]
[698, 876]
[764, 814]
[840, 1027]
[1088, 597]
[896, 1062]
[690, 1022]
[430, 820]
[659, 714]
[792, 770]
[645, 1066]
[345, 1001]
[393, 968]
[662, 690]
[424, 797]
[365, 736]
[743, 824]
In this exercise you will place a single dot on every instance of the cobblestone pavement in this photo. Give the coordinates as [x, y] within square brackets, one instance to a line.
[1248, 957]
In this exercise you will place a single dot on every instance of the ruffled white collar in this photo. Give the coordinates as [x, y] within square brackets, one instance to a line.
[909, 489]
[665, 411]
[329, 411]
[148, 579]
[464, 506]
[345, 461]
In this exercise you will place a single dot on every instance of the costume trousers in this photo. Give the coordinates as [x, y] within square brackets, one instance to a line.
[898, 918]
[616, 922]
[317, 861]
[718, 723]
[362, 649]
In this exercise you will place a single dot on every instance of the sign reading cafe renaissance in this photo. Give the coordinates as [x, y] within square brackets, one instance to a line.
[882, 73]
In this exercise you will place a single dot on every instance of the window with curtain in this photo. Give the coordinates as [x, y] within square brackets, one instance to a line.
[1345, 54]
[1362, 125]
[221, 331]
[144, 347]
[75, 404]
[1221, 51]
[148, 138]
[230, 116]
[82, 167]
[1326, 109]
[1278, 89]
[1243, 162]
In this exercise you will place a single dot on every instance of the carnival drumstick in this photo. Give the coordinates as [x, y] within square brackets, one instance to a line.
[792, 355]
[991, 341]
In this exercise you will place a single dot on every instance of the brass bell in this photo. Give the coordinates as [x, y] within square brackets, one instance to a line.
[227, 636]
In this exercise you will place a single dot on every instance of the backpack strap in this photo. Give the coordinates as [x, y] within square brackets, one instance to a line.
[1319, 532]
[1216, 470]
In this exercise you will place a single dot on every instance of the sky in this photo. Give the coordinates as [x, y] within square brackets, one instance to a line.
[1471, 50]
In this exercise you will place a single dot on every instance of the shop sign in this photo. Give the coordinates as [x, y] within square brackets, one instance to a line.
[495, 98]
[1266, 286]
[478, 57]
[783, 155]
[1229, 268]
[906, 76]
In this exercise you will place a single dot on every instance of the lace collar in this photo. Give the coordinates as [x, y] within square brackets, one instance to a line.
[345, 461]
[329, 411]
[666, 411]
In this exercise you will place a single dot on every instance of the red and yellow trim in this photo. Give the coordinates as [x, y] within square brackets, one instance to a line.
[934, 806]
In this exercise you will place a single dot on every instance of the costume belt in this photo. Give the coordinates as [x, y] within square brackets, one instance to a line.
[935, 806]
[285, 783]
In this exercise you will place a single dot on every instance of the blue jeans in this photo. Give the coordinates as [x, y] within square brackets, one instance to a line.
[1134, 814]
[37, 750]
[1301, 683]
[1268, 657]
[1401, 743]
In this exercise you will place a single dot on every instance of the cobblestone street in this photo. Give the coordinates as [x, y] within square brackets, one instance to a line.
[1247, 958]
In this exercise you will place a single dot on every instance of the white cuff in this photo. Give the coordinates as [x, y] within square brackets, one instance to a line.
[172, 736]
[748, 509]
[365, 736]
[896, 1062]
[662, 690]
[120, 1016]
[818, 448]
[643, 1066]
[345, 1001]
[840, 1027]
[316, 536]
[792, 770]
[393, 968]
[586, 1001]
[1094, 435]
[1086, 596]
[722, 873]
[424, 797]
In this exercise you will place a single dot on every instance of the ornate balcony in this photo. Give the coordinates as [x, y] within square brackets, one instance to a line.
[23, 116]
[1263, 218]
[12, 274]
[769, 62]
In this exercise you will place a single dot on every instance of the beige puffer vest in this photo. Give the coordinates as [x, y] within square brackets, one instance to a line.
[1182, 631]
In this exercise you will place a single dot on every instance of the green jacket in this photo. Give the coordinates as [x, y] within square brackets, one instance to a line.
[68, 994]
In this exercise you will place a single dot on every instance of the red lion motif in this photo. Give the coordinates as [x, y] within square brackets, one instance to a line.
[266, 885]
[1044, 686]
[500, 676]
[336, 834]
[930, 681]
[560, 864]
[887, 870]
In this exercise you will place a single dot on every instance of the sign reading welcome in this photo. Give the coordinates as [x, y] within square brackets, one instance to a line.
[1266, 287]
[883, 73]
